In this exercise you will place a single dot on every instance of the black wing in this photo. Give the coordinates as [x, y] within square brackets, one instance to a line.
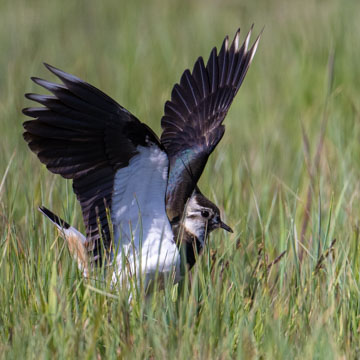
[84, 135]
[192, 122]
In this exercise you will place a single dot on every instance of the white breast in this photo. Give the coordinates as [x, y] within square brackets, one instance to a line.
[142, 231]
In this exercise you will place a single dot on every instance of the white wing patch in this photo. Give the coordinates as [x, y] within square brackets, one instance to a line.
[142, 232]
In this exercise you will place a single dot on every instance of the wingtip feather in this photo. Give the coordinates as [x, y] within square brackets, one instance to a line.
[247, 39]
[26, 111]
[235, 43]
[255, 46]
[50, 67]
[62, 75]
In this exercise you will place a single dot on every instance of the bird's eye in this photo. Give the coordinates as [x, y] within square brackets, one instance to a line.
[205, 214]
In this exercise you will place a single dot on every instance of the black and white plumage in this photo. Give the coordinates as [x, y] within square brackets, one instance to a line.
[133, 187]
[192, 123]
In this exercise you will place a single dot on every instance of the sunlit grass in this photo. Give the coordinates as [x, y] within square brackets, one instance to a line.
[286, 175]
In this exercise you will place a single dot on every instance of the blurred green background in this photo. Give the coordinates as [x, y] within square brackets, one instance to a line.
[302, 90]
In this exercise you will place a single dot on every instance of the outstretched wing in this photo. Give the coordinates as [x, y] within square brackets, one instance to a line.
[84, 135]
[192, 122]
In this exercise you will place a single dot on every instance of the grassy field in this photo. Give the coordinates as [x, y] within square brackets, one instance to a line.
[286, 175]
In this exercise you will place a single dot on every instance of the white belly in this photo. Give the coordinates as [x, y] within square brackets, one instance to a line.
[150, 253]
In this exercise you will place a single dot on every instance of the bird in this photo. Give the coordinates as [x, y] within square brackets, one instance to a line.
[142, 208]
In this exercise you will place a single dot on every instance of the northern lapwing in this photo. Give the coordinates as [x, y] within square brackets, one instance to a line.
[138, 192]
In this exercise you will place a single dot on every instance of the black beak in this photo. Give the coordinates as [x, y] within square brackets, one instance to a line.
[225, 227]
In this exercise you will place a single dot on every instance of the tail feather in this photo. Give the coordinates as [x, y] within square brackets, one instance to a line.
[75, 239]
[60, 223]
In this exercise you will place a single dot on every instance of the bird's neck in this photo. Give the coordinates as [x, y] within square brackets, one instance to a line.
[189, 245]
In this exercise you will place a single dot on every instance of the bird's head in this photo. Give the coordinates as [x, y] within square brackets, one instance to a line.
[202, 217]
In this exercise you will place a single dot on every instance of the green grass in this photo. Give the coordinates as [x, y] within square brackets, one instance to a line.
[286, 175]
